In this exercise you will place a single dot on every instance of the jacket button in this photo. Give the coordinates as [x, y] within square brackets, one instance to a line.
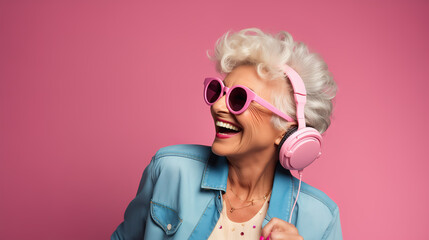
[169, 227]
[218, 196]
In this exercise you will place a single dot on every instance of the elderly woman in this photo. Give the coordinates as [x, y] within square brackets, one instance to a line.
[268, 112]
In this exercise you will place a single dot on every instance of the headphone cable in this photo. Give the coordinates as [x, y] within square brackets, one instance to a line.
[297, 195]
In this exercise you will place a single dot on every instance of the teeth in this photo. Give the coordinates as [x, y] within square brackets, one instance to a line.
[226, 125]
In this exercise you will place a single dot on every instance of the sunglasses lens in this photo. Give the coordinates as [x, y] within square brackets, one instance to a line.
[213, 91]
[237, 99]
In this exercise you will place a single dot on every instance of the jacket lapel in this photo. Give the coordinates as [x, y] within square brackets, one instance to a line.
[214, 179]
[281, 197]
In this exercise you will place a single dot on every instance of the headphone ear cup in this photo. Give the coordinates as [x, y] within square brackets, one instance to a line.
[299, 148]
[283, 160]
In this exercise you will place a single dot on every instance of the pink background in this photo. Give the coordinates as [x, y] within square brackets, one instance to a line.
[89, 90]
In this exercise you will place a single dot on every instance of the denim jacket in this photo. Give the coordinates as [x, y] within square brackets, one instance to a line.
[180, 197]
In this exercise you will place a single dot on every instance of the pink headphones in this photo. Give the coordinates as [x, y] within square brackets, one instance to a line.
[300, 145]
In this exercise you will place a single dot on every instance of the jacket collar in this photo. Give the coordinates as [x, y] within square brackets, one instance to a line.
[215, 174]
[215, 178]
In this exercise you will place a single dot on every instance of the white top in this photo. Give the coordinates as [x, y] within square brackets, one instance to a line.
[227, 229]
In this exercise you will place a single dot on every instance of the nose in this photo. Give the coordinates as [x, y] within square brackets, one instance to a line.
[220, 105]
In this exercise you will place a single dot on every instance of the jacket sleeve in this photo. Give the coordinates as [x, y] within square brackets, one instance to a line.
[133, 226]
[334, 230]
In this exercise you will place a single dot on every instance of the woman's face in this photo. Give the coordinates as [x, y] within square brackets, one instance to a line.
[255, 132]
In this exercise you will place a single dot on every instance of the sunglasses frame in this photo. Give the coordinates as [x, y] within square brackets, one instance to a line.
[251, 96]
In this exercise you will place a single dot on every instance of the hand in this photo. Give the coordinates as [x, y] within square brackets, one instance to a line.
[277, 229]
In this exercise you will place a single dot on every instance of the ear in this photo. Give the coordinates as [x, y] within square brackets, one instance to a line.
[283, 132]
[280, 137]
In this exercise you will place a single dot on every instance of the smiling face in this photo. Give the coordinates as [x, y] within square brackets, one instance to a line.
[251, 131]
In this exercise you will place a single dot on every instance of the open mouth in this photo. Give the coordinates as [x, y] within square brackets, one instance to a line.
[226, 129]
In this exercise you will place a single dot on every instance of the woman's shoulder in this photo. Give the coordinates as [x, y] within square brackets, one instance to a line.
[187, 151]
[183, 156]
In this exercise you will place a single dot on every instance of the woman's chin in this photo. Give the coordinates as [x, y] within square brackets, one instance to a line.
[220, 149]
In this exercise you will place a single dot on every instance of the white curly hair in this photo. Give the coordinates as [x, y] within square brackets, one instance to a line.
[268, 54]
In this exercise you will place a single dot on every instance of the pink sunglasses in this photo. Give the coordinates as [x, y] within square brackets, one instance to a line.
[238, 97]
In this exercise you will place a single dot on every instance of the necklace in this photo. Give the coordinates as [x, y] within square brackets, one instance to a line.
[252, 202]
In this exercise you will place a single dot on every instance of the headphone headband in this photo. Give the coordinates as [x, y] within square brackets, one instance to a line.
[299, 93]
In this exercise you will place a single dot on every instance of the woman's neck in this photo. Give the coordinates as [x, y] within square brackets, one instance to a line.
[251, 177]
